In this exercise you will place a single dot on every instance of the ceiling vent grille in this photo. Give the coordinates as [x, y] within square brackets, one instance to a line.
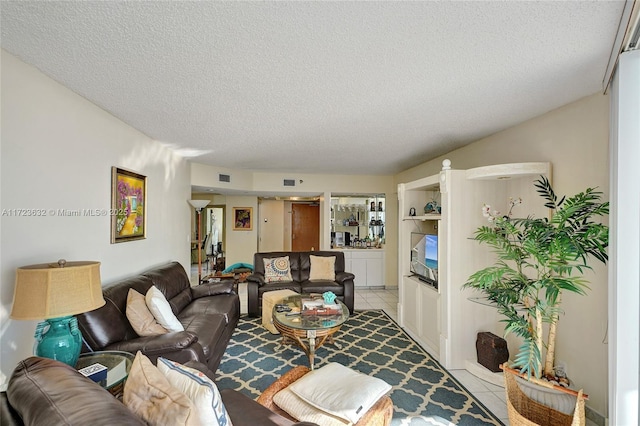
[224, 178]
[289, 182]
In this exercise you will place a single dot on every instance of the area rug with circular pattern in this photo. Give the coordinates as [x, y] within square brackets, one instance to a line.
[423, 393]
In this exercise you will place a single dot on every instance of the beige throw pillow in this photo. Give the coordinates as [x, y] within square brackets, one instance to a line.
[140, 317]
[322, 268]
[148, 394]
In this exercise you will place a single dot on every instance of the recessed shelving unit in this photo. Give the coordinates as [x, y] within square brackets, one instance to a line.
[444, 320]
[423, 217]
[363, 218]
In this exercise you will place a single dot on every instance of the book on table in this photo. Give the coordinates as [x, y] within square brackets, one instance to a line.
[321, 311]
[313, 304]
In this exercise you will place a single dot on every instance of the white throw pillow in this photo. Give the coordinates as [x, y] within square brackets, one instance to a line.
[299, 409]
[161, 310]
[322, 268]
[340, 391]
[202, 392]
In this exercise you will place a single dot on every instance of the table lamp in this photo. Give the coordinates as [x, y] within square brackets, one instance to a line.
[199, 205]
[56, 292]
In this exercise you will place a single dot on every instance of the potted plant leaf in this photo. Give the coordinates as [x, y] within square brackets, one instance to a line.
[538, 260]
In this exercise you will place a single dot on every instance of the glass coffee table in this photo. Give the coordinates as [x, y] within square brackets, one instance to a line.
[118, 365]
[309, 329]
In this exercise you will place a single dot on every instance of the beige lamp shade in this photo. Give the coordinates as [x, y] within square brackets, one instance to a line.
[52, 290]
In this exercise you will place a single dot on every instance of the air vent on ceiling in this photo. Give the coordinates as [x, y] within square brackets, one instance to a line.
[224, 178]
[289, 182]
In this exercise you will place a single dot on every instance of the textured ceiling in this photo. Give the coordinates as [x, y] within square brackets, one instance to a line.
[318, 87]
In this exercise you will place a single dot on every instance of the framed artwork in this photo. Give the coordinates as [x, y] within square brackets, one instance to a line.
[128, 206]
[242, 218]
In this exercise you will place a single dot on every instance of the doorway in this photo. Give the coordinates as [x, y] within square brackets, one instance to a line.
[305, 227]
[213, 234]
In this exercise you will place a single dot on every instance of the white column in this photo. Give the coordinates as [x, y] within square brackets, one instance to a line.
[624, 248]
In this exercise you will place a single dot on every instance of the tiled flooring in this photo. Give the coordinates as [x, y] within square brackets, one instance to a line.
[386, 300]
[492, 396]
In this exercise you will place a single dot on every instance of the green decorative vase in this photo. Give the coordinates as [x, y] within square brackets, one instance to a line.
[61, 341]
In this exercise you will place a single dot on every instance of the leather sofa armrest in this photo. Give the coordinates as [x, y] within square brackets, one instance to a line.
[7, 413]
[211, 289]
[253, 294]
[156, 345]
[47, 392]
[341, 277]
[256, 277]
[346, 280]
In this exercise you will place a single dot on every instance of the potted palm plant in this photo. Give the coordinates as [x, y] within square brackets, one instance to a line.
[538, 260]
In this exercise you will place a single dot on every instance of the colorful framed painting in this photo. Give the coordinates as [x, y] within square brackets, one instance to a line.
[128, 206]
[242, 218]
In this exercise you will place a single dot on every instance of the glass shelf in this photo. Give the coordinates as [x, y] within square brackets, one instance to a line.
[423, 217]
[483, 300]
[361, 208]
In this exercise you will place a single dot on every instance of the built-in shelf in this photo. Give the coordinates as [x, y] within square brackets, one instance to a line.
[509, 171]
[424, 217]
[446, 321]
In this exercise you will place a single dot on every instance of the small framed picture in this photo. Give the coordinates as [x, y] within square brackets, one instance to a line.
[242, 218]
[128, 205]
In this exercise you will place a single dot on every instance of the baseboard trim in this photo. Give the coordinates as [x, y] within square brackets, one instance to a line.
[594, 416]
[484, 373]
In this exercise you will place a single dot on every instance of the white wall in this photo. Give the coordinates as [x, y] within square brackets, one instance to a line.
[241, 245]
[575, 139]
[57, 153]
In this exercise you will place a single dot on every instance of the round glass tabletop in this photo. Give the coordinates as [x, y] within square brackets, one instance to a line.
[310, 319]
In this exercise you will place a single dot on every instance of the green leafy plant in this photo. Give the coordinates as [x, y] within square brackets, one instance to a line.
[538, 260]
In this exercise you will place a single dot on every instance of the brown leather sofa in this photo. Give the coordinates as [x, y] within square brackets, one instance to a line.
[208, 312]
[300, 265]
[43, 391]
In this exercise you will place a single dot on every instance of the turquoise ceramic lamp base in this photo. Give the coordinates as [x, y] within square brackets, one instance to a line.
[62, 340]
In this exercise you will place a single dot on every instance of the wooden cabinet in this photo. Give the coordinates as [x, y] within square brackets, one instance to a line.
[367, 265]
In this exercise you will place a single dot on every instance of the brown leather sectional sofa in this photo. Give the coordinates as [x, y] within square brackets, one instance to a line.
[208, 312]
[43, 391]
[300, 266]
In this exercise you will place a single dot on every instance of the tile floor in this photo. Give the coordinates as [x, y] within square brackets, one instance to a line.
[492, 396]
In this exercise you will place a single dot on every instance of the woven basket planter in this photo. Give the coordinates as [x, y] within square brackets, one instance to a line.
[524, 411]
